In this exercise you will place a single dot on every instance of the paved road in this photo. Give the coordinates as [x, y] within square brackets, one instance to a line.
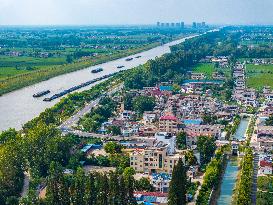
[254, 183]
[72, 121]
[67, 125]
[87, 134]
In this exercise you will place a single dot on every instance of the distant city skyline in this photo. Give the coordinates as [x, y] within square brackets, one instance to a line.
[117, 12]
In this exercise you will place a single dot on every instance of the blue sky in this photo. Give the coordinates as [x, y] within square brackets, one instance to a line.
[94, 12]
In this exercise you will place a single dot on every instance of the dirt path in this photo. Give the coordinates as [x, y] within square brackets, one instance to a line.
[26, 185]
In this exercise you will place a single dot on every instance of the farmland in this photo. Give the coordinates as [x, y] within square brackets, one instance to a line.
[206, 68]
[30, 55]
[259, 75]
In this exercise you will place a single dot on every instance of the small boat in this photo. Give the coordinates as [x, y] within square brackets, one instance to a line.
[138, 57]
[129, 59]
[39, 94]
[47, 99]
[120, 66]
[96, 70]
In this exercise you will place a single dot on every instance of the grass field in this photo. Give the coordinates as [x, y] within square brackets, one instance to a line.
[206, 68]
[259, 76]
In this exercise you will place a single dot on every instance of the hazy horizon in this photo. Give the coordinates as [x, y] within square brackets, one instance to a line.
[134, 12]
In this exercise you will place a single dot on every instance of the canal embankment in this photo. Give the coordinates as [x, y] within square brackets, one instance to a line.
[231, 174]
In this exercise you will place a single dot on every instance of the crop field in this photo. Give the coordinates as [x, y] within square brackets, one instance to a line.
[30, 55]
[259, 76]
[206, 68]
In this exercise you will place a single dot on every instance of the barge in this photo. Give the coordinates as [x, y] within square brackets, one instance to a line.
[58, 95]
[129, 59]
[96, 70]
[40, 94]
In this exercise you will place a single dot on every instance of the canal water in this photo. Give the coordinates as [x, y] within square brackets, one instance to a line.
[229, 178]
[240, 132]
[18, 107]
[228, 183]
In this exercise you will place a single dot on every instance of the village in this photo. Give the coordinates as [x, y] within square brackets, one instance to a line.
[157, 126]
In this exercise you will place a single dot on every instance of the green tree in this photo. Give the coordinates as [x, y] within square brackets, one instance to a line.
[129, 171]
[103, 189]
[190, 158]
[113, 148]
[181, 140]
[78, 190]
[114, 189]
[143, 103]
[209, 119]
[206, 146]
[69, 59]
[114, 130]
[130, 186]
[269, 121]
[90, 191]
[57, 187]
[10, 134]
[177, 190]
[143, 184]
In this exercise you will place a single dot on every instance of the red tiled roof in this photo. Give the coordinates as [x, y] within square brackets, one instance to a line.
[168, 117]
[157, 194]
[264, 163]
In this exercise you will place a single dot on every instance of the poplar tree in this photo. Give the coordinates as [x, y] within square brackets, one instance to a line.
[114, 188]
[90, 191]
[52, 190]
[177, 191]
[122, 191]
[130, 190]
[78, 189]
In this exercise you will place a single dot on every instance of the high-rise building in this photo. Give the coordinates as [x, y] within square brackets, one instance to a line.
[194, 24]
[182, 24]
[167, 24]
[203, 24]
[177, 24]
[172, 24]
[158, 23]
[162, 24]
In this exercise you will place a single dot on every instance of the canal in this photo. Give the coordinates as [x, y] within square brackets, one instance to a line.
[18, 107]
[240, 132]
[228, 183]
[229, 178]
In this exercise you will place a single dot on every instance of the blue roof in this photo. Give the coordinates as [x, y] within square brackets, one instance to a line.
[162, 175]
[147, 203]
[89, 146]
[192, 121]
[166, 88]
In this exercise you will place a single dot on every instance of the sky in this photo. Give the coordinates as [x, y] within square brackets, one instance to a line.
[115, 12]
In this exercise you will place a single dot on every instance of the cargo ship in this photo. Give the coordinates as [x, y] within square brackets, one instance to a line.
[129, 59]
[74, 88]
[96, 70]
[40, 94]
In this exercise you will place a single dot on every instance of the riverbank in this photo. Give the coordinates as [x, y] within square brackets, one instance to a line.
[225, 194]
[27, 79]
[19, 106]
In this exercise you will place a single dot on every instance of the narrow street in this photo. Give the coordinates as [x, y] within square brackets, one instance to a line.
[69, 123]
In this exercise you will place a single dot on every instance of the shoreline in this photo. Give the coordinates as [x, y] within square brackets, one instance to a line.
[78, 66]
